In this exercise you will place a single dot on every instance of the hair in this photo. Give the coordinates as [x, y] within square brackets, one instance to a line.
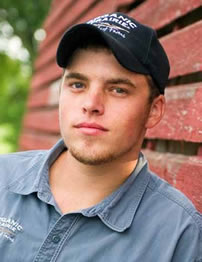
[94, 41]
[154, 91]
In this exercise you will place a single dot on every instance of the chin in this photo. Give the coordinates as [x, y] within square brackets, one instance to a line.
[91, 157]
[99, 155]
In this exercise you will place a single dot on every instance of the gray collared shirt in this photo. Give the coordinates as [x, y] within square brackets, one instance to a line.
[145, 220]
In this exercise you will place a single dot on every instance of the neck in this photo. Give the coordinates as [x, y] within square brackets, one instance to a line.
[70, 179]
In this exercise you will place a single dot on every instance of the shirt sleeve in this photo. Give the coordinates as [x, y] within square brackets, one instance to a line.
[189, 246]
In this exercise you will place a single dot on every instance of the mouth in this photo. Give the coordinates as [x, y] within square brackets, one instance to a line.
[91, 128]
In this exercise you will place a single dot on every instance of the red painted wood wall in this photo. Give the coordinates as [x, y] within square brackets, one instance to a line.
[174, 147]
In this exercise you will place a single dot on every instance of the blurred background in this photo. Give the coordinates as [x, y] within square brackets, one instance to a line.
[20, 34]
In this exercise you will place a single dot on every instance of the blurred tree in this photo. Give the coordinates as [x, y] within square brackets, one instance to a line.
[14, 77]
[25, 17]
[19, 23]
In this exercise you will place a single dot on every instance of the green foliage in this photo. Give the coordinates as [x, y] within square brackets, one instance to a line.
[14, 78]
[24, 17]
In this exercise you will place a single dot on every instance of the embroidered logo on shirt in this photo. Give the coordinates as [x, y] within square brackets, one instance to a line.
[9, 228]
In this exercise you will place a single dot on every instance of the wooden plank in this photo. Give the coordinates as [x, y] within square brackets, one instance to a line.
[158, 14]
[101, 8]
[56, 3]
[38, 98]
[47, 55]
[124, 2]
[200, 151]
[57, 10]
[187, 41]
[183, 172]
[47, 96]
[46, 75]
[184, 49]
[45, 120]
[183, 115]
[62, 18]
[31, 140]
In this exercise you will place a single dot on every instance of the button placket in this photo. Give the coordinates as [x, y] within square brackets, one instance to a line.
[52, 243]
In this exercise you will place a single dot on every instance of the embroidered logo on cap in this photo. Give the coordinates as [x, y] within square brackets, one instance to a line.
[9, 228]
[113, 23]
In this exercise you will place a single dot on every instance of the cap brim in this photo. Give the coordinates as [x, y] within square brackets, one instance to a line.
[72, 37]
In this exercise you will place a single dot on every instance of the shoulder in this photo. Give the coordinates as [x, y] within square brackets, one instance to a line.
[175, 216]
[173, 202]
[16, 165]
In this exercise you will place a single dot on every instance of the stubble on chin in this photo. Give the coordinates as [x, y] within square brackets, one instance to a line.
[90, 156]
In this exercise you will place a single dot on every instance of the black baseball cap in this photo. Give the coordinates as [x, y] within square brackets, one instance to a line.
[135, 46]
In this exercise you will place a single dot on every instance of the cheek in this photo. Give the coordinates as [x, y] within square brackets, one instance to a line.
[130, 119]
[61, 109]
[64, 111]
[122, 122]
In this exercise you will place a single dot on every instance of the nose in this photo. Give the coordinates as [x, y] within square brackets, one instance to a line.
[93, 102]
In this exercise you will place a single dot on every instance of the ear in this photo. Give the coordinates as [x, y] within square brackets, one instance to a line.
[156, 111]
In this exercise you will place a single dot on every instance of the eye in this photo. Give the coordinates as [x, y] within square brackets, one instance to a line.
[77, 85]
[119, 90]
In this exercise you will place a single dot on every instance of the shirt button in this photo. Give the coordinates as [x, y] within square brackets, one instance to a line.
[56, 239]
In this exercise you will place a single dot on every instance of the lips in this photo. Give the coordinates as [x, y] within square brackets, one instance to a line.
[91, 126]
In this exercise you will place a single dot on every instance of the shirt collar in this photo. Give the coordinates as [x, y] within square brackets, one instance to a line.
[35, 175]
[116, 211]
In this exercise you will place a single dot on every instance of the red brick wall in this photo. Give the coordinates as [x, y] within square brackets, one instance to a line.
[174, 147]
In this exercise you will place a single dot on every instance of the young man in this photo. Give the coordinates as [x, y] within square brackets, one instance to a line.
[92, 197]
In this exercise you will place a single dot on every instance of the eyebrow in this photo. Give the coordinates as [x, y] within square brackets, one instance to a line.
[76, 76]
[124, 81]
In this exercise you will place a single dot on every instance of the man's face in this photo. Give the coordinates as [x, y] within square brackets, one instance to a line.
[103, 108]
